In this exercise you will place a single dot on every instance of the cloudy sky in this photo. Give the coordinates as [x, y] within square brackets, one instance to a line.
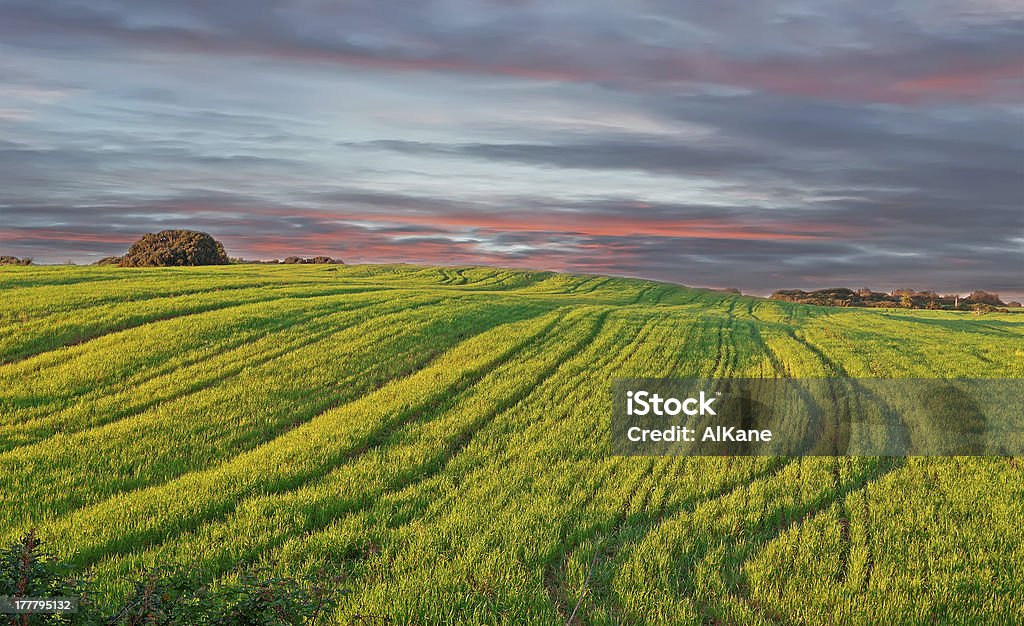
[734, 143]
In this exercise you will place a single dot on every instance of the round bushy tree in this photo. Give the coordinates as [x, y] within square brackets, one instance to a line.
[175, 248]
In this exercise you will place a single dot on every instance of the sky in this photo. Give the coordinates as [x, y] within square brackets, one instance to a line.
[747, 144]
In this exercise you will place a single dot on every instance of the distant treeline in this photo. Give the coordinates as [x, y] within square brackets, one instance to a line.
[116, 260]
[319, 260]
[899, 298]
[13, 260]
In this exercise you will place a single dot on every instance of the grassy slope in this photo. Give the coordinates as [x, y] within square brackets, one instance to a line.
[440, 432]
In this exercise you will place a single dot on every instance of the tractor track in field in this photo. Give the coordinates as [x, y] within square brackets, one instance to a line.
[462, 441]
[170, 293]
[737, 581]
[598, 284]
[412, 476]
[610, 547]
[130, 483]
[830, 366]
[554, 570]
[606, 547]
[778, 365]
[578, 287]
[71, 339]
[259, 360]
[725, 351]
[844, 527]
[607, 551]
[151, 373]
[148, 538]
[742, 554]
[870, 544]
[554, 585]
[441, 461]
[719, 350]
[199, 384]
[551, 582]
[641, 293]
[642, 523]
[36, 282]
[282, 427]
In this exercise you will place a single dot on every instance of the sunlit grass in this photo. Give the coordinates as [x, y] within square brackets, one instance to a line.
[440, 434]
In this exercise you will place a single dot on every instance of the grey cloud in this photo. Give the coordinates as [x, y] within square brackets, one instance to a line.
[749, 264]
[621, 44]
[873, 120]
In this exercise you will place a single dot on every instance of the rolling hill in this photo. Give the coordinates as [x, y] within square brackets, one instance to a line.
[441, 434]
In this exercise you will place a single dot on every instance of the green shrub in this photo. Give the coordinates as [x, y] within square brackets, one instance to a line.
[176, 597]
[175, 248]
[167, 596]
[317, 260]
[27, 571]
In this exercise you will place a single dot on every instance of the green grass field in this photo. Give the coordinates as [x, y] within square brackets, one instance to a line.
[441, 434]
